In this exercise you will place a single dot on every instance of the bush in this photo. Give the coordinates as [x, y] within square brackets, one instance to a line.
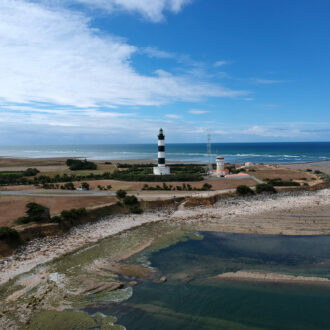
[264, 187]
[22, 221]
[130, 200]
[31, 172]
[207, 186]
[85, 186]
[9, 234]
[243, 190]
[73, 213]
[281, 183]
[68, 186]
[121, 193]
[76, 165]
[36, 212]
[56, 218]
[135, 209]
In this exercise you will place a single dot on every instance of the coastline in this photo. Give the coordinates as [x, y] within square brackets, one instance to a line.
[297, 212]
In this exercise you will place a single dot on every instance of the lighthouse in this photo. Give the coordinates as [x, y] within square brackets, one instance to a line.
[161, 169]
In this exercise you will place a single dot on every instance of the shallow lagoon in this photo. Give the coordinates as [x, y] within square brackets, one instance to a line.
[191, 299]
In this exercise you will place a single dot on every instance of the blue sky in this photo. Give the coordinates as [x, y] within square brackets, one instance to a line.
[114, 71]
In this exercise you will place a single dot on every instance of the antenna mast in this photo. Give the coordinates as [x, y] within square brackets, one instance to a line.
[209, 153]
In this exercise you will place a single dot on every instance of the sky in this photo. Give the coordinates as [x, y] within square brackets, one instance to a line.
[115, 71]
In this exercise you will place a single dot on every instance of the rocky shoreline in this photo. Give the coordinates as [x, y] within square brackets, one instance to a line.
[263, 214]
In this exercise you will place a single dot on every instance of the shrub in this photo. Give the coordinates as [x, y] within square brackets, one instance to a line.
[69, 218]
[121, 193]
[85, 185]
[74, 213]
[207, 186]
[36, 212]
[55, 218]
[9, 235]
[68, 186]
[76, 165]
[264, 187]
[135, 209]
[281, 183]
[31, 172]
[22, 220]
[243, 190]
[130, 200]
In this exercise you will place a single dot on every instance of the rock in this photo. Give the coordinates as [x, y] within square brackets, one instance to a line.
[163, 279]
[132, 283]
[93, 286]
[128, 270]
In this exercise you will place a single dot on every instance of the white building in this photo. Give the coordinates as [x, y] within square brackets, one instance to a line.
[220, 160]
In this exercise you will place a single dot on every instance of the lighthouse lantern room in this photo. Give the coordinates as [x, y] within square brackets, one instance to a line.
[161, 169]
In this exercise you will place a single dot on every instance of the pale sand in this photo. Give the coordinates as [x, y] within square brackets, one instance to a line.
[270, 277]
[238, 215]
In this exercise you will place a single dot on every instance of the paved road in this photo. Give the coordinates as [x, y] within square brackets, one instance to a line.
[153, 195]
[57, 193]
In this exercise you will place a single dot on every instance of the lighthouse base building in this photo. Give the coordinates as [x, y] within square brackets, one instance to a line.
[161, 169]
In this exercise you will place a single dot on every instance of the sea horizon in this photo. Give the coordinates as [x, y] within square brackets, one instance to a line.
[234, 152]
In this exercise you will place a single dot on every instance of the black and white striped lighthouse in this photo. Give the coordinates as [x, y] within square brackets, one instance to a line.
[161, 169]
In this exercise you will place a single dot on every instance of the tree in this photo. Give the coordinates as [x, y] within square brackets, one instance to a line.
[85, 186]
[121, 193]
[130, 200]
[37, 212]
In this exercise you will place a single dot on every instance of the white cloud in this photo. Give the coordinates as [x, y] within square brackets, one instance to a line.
[150, 9]
[173, 116]
[198, 112]
[155, 52]
[261, 81]
[54, 56]
[221, 63]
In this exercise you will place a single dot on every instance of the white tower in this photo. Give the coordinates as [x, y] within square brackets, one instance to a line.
[220, 160]
[161, 169]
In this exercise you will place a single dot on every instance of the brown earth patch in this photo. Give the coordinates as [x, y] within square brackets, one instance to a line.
[12, 207]
[272, 172]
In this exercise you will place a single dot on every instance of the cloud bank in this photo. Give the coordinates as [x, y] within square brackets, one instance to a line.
[55, 56]
[150, 9]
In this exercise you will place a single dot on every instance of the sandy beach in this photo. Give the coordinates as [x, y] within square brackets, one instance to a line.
[300, 213]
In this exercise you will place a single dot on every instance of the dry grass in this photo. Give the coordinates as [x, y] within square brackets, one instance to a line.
[12, 207]
[271, 172]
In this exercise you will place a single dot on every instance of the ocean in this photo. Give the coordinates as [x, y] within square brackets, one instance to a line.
[285, 152]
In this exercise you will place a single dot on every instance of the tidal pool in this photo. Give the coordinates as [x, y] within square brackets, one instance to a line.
[192, 299]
